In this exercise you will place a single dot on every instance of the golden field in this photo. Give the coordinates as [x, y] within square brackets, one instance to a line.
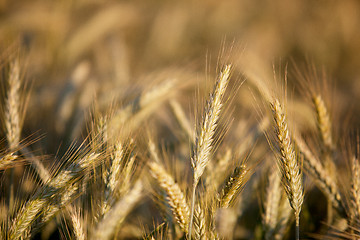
[180, 119]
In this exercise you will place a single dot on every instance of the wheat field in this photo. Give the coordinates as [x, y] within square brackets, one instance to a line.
[179, 120]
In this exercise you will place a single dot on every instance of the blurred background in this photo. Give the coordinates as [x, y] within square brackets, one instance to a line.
[106, 48]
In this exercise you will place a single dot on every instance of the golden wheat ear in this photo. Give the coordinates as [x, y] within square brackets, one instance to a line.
[321, 175]
[233, 185]
[205, 134]
[288, 164]
[61, 187]
[175, 197]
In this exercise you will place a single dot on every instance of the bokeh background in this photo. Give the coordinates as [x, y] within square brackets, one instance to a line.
[122, 41]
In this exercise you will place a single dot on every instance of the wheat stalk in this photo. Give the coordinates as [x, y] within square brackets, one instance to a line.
[292, 177]
[205, 134]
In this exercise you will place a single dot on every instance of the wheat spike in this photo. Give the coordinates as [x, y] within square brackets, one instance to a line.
[77, 223]
[199, 224]
[55, 187]
[7, 160]
[323, 179]
[324, 122]
[205, 134]
[175, 196]
[233, 186]
[292, 177]
[12, 114]
[355, 187]
[115, 168]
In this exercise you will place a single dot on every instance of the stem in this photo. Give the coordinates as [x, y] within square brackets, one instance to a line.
[11, 191]
[192, 206]
[297, 227]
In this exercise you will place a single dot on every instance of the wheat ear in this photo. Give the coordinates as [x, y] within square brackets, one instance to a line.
[115, 168]
[7, 160]
[60, 184]
[77, 223]
[205, 134]
[12, 114]
[355, 187]
[324, 126]
[324, 122]
[233, 186]
[12, 117]
[199, 224]
[322, 177]
[292, 177]
[175, 196]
